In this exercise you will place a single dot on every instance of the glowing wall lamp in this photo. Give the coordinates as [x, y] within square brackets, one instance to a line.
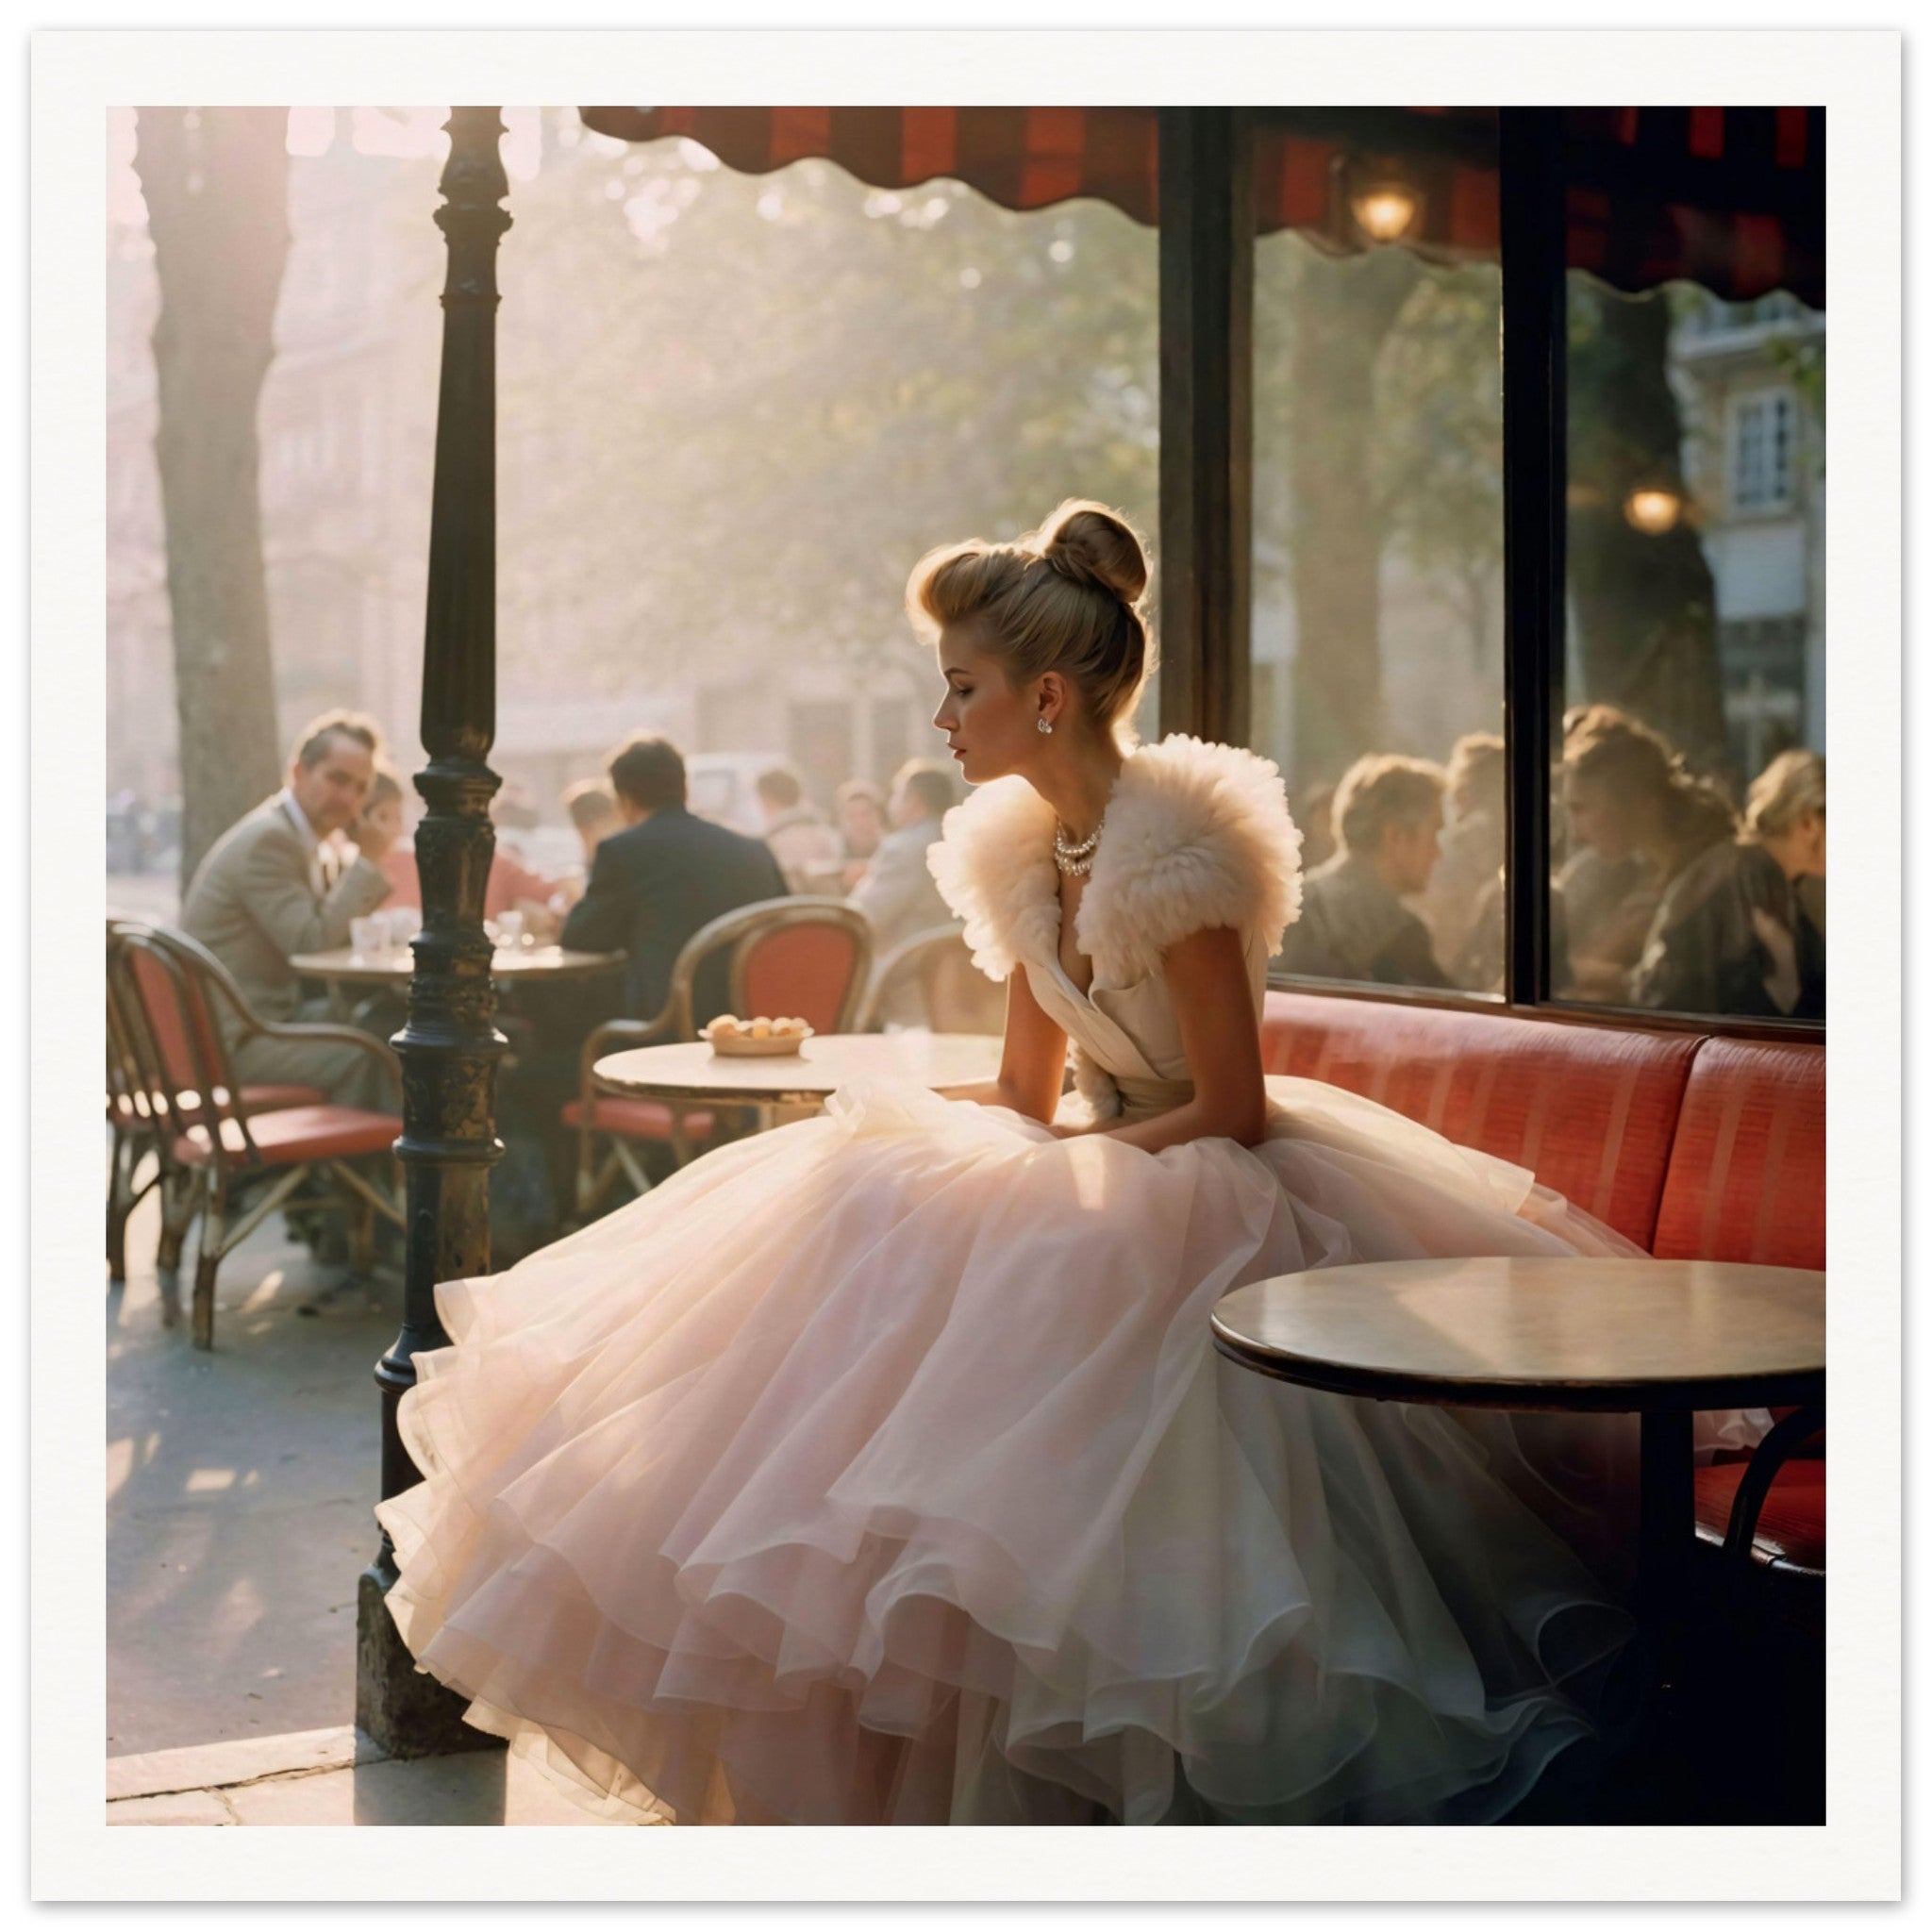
[1386, 204]
[1653, 509]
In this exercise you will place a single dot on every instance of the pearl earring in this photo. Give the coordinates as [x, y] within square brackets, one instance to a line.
[1046, 728]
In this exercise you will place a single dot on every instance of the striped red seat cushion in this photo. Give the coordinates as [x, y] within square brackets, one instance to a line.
[1592, 1110]
[1746, 1179]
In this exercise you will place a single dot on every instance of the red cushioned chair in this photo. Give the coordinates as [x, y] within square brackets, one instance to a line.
[1746, 1183]
[174, 989]
[139, 1094]
[132, 1119]
[1768, 1513]
[799, 957]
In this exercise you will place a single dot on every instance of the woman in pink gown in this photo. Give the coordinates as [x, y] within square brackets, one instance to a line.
[879, 1468]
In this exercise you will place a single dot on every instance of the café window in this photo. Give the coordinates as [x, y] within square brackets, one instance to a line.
[1376, 676]
[1659, 718]
[1687, 818]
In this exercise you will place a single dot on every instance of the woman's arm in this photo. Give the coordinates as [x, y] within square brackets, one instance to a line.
[1207, 978]
[1033, 1061]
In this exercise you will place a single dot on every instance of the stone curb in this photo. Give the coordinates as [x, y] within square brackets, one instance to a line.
[237, 1761]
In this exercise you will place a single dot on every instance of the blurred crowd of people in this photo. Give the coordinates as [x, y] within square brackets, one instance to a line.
[141, 837]
[336, 845]
[870, 850]
[1664, 894]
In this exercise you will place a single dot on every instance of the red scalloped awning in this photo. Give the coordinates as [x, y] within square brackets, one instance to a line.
[1732, 198]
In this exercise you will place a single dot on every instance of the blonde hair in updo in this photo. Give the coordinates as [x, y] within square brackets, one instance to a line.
[1067, 597]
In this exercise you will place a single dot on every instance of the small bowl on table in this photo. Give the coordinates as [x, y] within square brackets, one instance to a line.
[733, 1038]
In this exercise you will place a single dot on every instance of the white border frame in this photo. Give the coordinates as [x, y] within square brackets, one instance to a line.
[1856, 76]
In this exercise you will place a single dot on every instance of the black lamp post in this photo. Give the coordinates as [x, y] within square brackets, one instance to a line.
[450, 1044]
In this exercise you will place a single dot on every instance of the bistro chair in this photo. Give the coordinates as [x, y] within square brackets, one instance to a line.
[954, 994]
[803, 957]
[217, 1135]
[1759, 1608]
[1764, 1518]
[138, 1096]
[131, 1117]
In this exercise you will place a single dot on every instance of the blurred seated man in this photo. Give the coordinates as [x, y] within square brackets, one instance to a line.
[1461, 893]
[805, 846]
[592, 809]
[858, 817]
[511, 886]
[897, 894]
[1784, 812]
[664, 875]
[593, 815]
[1387, 819]
[268, 889]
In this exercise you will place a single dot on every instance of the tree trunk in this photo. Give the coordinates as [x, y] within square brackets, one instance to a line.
[1646, 605]
[1343, 311]
[216, 185]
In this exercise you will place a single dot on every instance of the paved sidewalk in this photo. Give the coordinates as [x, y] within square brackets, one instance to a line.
[334, 1776]
[239, 1489]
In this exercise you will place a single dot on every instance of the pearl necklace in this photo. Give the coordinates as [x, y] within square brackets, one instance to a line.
[1076, 861]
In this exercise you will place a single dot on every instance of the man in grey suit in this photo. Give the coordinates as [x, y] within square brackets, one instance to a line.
[266, 890]
[898, 892]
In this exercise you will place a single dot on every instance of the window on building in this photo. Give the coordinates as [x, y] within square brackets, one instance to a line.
[1762, 427]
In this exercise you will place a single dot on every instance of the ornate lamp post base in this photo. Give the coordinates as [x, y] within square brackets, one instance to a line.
[450, 1046]
[403, 1710]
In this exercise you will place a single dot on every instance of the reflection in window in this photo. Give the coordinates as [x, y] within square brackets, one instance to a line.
[1377, 614]
[1762, 468]
[1688, 814]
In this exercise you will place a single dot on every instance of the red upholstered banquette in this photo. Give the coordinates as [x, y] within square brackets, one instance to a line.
[1694, 1147]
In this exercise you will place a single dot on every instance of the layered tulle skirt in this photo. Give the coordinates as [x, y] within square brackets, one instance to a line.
[879, 1469]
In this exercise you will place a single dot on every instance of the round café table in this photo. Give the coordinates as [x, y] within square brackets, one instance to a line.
[1665, 1338]
[345, 966]
[688, 1074]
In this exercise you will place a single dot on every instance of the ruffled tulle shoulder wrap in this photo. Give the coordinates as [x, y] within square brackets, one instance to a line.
[993, 866]
[1197, 835]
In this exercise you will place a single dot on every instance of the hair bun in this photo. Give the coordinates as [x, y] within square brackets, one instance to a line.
[1090, 543]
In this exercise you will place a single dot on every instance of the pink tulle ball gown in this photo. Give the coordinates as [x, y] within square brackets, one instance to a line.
[879, 1468]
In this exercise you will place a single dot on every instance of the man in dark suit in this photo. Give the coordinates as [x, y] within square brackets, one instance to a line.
[654, 882]
[664, 875]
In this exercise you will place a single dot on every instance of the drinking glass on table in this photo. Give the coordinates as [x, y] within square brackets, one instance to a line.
[369, 937]
[509, 930]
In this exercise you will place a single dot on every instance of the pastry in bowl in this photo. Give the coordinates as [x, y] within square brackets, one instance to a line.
[728, 1035]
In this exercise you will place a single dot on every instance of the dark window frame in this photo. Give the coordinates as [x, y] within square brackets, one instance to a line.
[1207, 335]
